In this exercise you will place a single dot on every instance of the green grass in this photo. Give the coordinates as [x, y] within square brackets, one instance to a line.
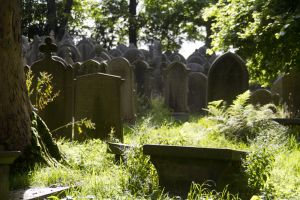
[272, 166]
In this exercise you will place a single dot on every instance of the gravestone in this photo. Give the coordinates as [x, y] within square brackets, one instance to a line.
[121, 67]
[97, 97]
[34, 53]
[197, 59]
[142, 77]
[176, 87]
[133, 54]
[227, 78]
[261, 97]
[59, 112]
[197, 96]
[91, 66]
[288, 89]
[65, 49]
[195, 67]
[85, 47]
[100, 54]
[115, 53]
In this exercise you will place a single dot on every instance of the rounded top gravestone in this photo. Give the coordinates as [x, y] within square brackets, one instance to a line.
[227, 78]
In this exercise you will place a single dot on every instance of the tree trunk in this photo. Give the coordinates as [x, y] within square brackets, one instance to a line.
[51, 15]
[132, 22]
[208, 39]
[14, 101]
[65, 19]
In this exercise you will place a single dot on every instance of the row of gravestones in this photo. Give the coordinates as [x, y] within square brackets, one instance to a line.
[96, 96]
[107, 99]
[227, 77]
[153, 59]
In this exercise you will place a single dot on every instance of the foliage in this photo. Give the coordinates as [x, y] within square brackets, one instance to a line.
[173, 21]
[43, 91]
[198, 191]
[242, 121]
[265, 33]
[111, 19]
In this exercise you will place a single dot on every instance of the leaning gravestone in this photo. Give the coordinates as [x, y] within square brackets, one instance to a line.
[197, 98]
[176, 87]
[59, 112]
[97, 97]
[288, 88]
[227, 78]
[66, 49]
[121, 67]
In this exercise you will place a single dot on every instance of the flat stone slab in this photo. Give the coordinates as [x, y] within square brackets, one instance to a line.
[37, 193]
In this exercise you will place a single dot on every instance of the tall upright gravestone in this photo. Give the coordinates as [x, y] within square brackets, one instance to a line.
[288, 89]
[197, 98]
[142, 77]
[97, 97]
[227, 78]
[121, 67]
[59, 112]
[176, 87]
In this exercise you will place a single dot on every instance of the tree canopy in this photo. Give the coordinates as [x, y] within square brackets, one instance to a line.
[113, 21]
[264, 32]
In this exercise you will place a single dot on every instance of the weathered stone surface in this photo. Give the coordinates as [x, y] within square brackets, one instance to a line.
[227, 78]
[91, 66]
[133, 54]
[261, 97]
[179, 166]
[288, 88]
[121, 67]
[197, 96]
[85, 47]
[195, 67]
[65, 49]
[176, 87]
[59, 112]
[97, 97]
[142, 77]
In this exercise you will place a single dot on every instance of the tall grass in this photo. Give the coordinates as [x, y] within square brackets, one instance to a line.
[272, 166]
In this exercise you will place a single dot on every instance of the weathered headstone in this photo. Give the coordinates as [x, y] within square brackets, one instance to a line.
[261, 97]
[176, 87]
[121, 67]
[196, 67]
[227, 78]
[85, 47]
[197, 98]
[133, 54]
[66, 49]
[142, 77]
[91, 66]
[97, 97]
[59, 112]
[288, 88]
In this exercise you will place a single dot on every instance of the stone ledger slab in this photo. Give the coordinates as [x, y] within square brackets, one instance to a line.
[179, 166]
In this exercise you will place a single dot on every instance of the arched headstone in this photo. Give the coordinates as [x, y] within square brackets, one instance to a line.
[176, 87]
[197, 98]
[227, 78]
